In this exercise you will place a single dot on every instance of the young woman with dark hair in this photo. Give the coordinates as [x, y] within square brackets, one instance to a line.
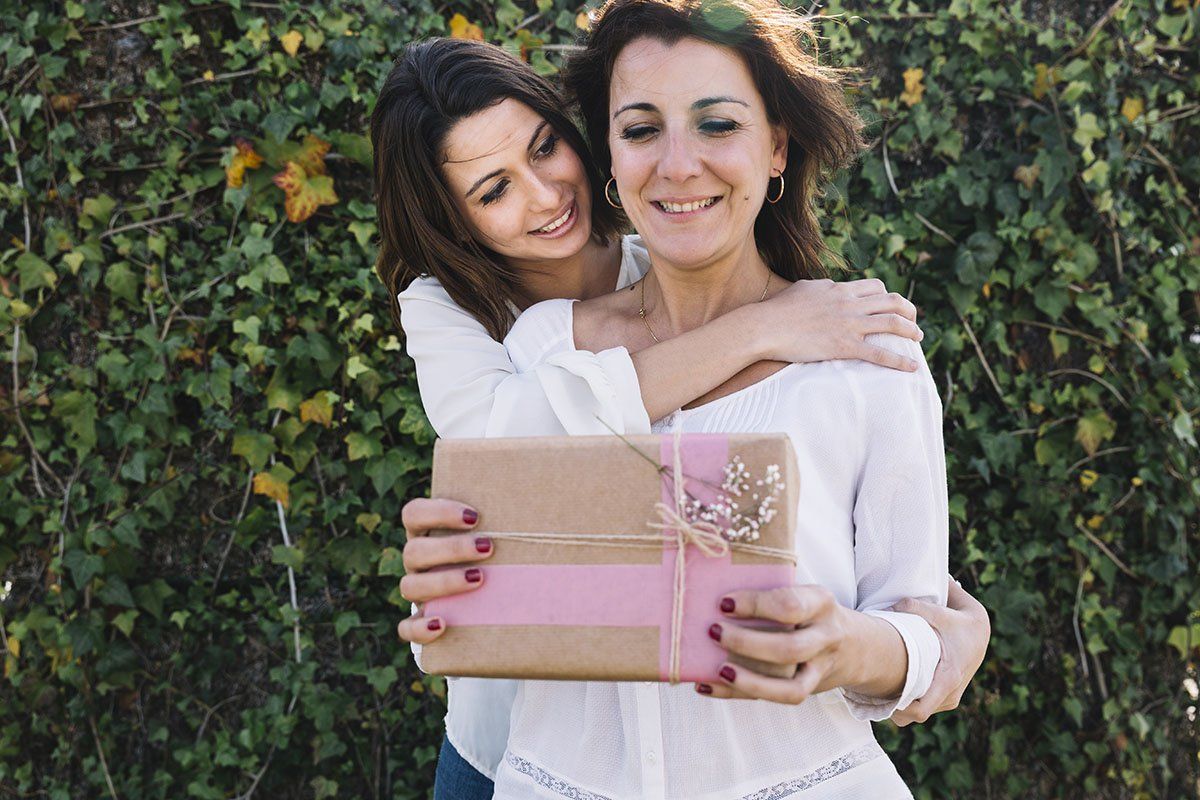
[488, 203]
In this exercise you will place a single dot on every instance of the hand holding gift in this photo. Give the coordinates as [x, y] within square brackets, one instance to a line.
[437, 566]
[833, 646]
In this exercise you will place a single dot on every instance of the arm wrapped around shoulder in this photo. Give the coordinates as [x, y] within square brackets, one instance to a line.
[901, 517]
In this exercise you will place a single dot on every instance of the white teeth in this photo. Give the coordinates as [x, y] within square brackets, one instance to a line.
[680, 208]
[553, 226]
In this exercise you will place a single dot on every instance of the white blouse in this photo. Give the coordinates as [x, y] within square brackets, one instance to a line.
[873, 528]
[470, 389]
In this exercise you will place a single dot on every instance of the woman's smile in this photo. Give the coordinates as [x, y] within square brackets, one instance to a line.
[561, 225]
[682, 210]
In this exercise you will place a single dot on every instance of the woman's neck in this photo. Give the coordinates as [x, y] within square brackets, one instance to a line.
[589, 273]
[685, 298]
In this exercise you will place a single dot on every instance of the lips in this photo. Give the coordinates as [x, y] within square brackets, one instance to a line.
[556, 224]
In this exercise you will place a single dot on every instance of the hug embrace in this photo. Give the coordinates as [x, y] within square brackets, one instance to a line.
[529, 310]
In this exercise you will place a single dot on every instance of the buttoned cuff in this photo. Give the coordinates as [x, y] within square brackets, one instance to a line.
[924, 650]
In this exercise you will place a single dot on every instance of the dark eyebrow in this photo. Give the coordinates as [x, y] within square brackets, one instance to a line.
[696, 106]
[712, 101]
[483, 180]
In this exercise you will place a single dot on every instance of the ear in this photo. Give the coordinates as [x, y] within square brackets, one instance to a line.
[779, 148]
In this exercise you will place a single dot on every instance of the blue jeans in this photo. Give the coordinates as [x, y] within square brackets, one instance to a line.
[456, 779]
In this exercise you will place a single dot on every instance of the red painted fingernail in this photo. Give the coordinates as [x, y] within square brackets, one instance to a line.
[474, 575]
[483, 544]
[434, 625]
[714, 631]
[727, 605]
[703, 688]
[470, 516]
[728, 674]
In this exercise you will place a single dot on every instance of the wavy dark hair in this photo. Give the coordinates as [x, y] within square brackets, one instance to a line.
[779, 47]
[432, 85]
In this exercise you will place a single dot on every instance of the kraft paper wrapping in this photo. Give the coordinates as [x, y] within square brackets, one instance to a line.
[553, 610]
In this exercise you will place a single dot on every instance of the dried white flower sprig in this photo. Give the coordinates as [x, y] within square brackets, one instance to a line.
[738, 523]
[741, 519]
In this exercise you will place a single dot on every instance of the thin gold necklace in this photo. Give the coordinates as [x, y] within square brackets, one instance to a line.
[642, 310]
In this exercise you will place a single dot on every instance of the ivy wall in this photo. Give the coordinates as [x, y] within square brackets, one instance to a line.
[208, 425]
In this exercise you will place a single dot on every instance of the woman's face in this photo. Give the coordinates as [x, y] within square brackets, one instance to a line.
[692, 148]
[521, 188]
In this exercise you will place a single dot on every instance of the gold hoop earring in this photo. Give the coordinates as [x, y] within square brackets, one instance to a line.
[779, 196]
[608, 195]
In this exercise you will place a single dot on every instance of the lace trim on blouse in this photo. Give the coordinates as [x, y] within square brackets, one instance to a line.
[844, 763]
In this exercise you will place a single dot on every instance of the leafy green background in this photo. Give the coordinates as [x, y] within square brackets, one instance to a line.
[178, 354]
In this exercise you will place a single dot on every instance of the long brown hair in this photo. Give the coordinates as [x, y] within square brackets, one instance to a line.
[805, 97]
[433, 85]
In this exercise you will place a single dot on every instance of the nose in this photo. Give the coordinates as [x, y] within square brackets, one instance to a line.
[544, 194]
[680, 160]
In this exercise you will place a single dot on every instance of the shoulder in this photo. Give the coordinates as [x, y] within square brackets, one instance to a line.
[541, 330]
[424, 288]
[883, 387]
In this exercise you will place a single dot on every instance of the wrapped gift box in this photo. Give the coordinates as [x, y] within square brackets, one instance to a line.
[580, 586]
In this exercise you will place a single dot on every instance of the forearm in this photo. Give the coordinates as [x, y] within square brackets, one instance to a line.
[875, 661]
[677, 371]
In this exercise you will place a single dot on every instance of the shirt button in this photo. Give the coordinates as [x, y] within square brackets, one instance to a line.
[650, 756]
[648, 683]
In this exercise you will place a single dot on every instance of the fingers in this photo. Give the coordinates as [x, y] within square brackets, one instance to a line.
[425, 514]
[917, 711]
[419, 587]
[890, 303]
[865, 287]
[959, 599]
[721, 691]
[891, 322]
[886, 358]
[775, 647]
[794, 605]
[426, 552]
[937, 616]
[792, 691]
[420, 630]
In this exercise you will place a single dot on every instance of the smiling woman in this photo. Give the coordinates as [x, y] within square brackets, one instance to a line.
[520, 188]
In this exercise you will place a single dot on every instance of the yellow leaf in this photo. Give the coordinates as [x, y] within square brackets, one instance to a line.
[14, 646]
[311, 155]
[369, 521]
[1087, 478]
[1035, 407]
[1136, 481]
[317, 409]
[987, 291]
[1095, 521]
[208, 75]
[1027, 175]
[1132, 107]
[268, 485]
[583, 21]
[304, 194]
[462, 28]
[291, 42]
[245, 158]
[913, 88]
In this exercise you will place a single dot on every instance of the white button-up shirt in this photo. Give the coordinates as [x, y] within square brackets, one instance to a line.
[873, 528]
